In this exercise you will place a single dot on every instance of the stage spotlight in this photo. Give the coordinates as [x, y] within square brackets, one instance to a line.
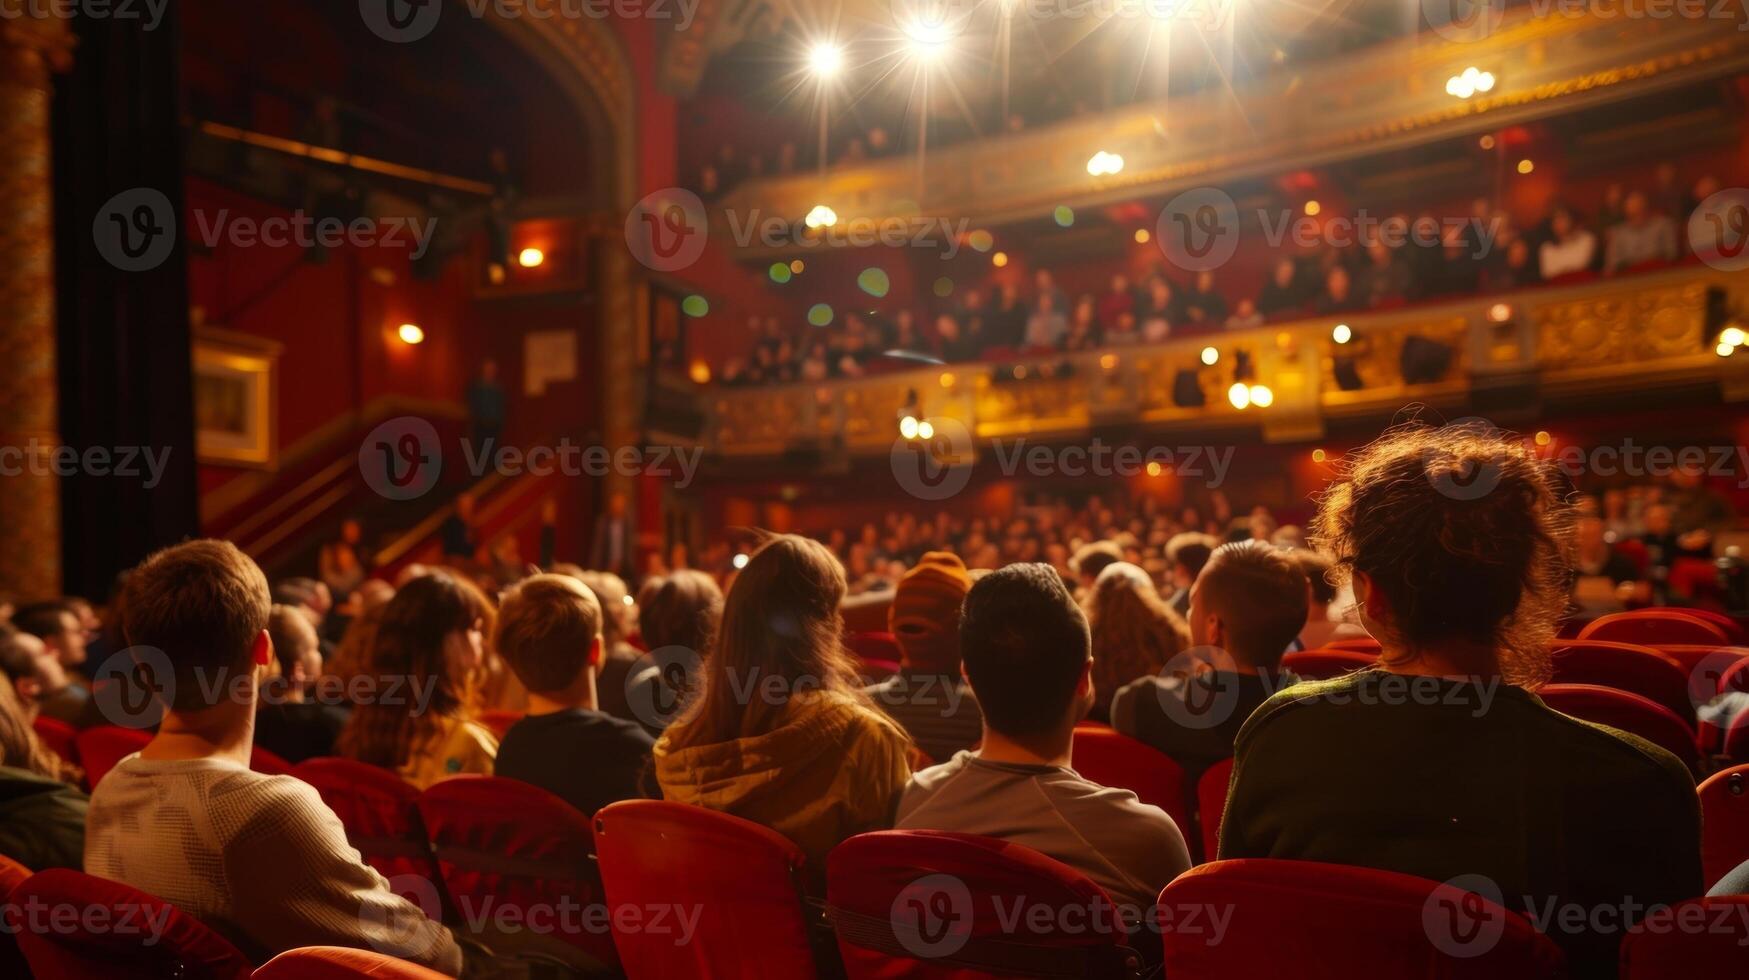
[1342, 334]
[410, 333]
[925, 430]
[739, 561]
[825, 59]
[1239, 395]
[821, 216]
[1733, 336]
[1262, 396]
[1724, 349]
[531, 258]
[927, 39]
[908, 427]
[1103, 164]
[1210, 355]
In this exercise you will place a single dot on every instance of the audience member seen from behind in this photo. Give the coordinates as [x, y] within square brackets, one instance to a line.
[426, 654]
[42, 811]
[258, 857]
[618, 657]
[1321, 594]
[290, 723]
[929, 696]
[678, 616]
[550, 632]
[1135, 633]
[1442, 763]
[1245, 608]
[801, 750]
[1186, 553]
[1028, 655]
[57, 625]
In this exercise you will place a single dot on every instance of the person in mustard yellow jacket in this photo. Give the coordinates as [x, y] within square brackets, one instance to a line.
[779, 733]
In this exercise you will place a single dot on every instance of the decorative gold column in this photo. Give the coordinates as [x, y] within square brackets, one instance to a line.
[31, 49]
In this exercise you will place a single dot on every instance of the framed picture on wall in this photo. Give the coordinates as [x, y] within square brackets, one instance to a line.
[235, 398]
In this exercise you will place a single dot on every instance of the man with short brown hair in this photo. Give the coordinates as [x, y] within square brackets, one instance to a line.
[261, 858]
[549, 632]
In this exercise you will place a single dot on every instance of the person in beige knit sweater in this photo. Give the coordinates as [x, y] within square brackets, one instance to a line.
[259, 858]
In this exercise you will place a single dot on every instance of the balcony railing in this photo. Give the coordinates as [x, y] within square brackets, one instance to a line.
[1624, 336]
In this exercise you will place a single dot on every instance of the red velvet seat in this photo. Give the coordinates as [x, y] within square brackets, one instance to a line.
[1724, 822]
[1211, 805]
[1324, 662]
[1734, 631]
[1358, 644]
[12, 874]
[1704, 663]
[129, 945]
[380, 812]
[1699, 938]
[928, 905]
[1656, 625]
[1629, 712]
[1113, 759]
[501, 844]
[1625, 667]
[268, 764]
[1313, 921]
[100, 748]
[745, 882]
[60, 737]
[340, 963]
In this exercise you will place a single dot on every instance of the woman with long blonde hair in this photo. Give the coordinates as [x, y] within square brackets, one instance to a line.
[426, 656]
[42, 811]
[778, 731]
[1135, 632]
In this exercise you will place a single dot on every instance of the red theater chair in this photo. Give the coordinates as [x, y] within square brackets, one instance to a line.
[102, 747]
[127, 946]
[1211, 805]
[745, 882]
[1629, 712]
[1315, 921]
[268, 764]
[1322, 663]
[1657, 625]
[1625, 667]
[1702, 937]
[1724, 822]
[1112, 759]
[59, 736]
[925, 905]
[1359, 644]
[12, 874]
[380, 812]
[1734, 631]
[502, 844]
[340, 963]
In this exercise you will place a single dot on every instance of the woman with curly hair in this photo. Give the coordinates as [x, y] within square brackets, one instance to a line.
[1440, 761]
[426, 658]
[1135, 632]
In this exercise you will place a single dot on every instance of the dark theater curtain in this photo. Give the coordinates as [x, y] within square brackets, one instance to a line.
[124, 355]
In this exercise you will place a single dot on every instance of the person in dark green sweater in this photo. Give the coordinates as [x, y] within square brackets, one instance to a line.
[1441, 762]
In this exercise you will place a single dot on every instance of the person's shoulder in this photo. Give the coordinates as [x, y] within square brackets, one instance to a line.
[622, 730]
[1110, 809]
[1641, 758]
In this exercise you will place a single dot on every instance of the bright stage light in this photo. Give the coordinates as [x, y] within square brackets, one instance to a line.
[908, 427]
[1210, 355]
[739, 561]
[531, 258]
[1103, 164]
[1262, 396]
[1733, 336]
[1239, 395]
[1342, 334]
[825, 59]
[925, 430]
[1471, 82]
[1724, 349]
[821, 216]
[927, 38]
[410, 333]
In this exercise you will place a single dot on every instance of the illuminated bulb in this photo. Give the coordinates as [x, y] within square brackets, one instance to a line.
[947, 379]
[1142, 236]
[825, 59]
[1312, 209]
[1725, 350]
[999, 260]
[1318, 456]
[908, 427]
[1103, 164]
[700, 373]
[530, 258]
[1108, 361]
[1500, 312]
[411, 333]
[1239, 395]
[739, 561]
[925, 430]
[821, 216]
[1471, 81]
[1526, 166]
[1342, 334]
[1543, 438]
[1487, 142]
[1154, 469]
[1262, 396]
[1733, 336]
[797, 266]
[628, 600]
[1210, 355]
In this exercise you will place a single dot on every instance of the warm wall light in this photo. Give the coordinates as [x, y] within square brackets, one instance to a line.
[821, 216]
[1210, 355]
[1142, 236]
[411, 333]
[700, 373]
[908, 427]
[1312, 209]
[1103, 164]
[531, 258]
[1342, 334]
[999, 260]
[1262, 396]
[1526, 166]
[1239, 395]
[1318, 456]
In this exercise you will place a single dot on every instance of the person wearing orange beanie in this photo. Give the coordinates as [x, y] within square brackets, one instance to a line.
[929, 695]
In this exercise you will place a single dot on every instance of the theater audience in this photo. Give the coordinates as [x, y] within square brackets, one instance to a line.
[426, 658]
[64, 638]
[42, 811]
[260, 858]
[1135, 633]
[779, 732]
[929, 696]
[1641, 236]
[341, 562]
[678, 617]
[1028, 655]
[1091, 559]
[618, 657]
[290, 723]
[1186, 553]
[1321, 628]
[1443, 763]
[1245, 608]
[30, 670]
[550, 632]
[1571, 247]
